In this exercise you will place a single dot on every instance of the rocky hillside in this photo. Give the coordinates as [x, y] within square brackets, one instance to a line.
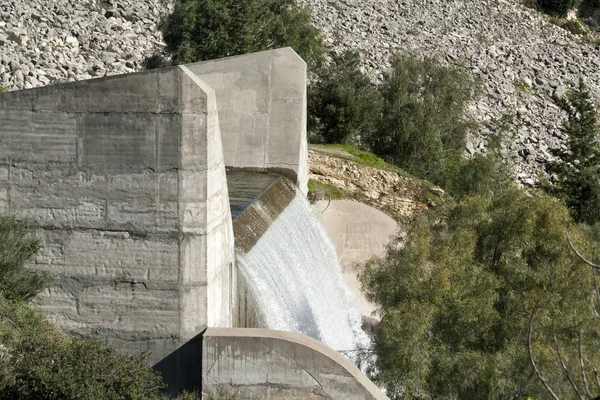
[521, 59]
[44, 42]
[397, 195]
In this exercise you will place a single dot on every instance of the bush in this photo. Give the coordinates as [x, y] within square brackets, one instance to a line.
[482, 174]
[156, 60]
[576, 171]
[557, 7]
[41, 362]
[423, 127]
[206, 29]
[456, 300]
[343, 104]
[574, 26]
[18, 247]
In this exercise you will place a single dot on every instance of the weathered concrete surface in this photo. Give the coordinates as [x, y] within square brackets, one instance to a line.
[124, 180]
[358, 232]
[265, 364]
[262, 110]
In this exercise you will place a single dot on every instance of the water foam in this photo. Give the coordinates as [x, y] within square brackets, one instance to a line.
[296, 279]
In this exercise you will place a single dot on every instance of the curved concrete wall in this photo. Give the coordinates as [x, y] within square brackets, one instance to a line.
[265, 364]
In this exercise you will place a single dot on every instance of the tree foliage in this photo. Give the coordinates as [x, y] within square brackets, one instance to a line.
[556, 7]
[38, 361]
[343, 104]
[481, 173]
[577, 168]
[423, 126]
[456, 301]
[199, 30]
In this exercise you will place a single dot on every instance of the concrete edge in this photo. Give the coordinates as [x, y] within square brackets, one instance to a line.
[305, 341]
[279, 51]
[252, 223]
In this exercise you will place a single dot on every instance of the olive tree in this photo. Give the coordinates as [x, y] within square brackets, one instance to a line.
[456, 301]
[199, 30]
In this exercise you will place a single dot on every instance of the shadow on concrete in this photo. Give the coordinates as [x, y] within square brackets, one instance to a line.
[182, 369]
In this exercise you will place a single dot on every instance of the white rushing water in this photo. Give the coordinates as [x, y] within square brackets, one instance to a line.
[294, 275]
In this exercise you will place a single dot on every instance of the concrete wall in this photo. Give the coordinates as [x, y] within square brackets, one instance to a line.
[262, 109]
[124, 180]
[265, 364]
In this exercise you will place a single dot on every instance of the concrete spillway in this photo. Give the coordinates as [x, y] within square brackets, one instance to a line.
[289, 273]
[123, 179]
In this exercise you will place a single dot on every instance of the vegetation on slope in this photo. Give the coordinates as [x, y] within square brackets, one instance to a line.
[457, 299]
[199, 30]
[575, 174]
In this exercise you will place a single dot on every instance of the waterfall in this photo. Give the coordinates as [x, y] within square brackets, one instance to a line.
[296, 280]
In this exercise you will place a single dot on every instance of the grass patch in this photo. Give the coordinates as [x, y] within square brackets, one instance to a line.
[524, 87]
[13, 37]
[367, 159]
[318, 189]
[361, 157]
[131, 18]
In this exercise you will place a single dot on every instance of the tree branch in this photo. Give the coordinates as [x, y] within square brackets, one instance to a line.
[581, 257]
[585, 382]
[597, 294]
[564, 366]
[537, 372]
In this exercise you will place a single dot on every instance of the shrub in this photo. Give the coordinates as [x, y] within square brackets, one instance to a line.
[456, 301]
[206, 29]
[423, 126]
[482, 174]
[41, 362]
[557, 7]
[343, 104]
[17, 247]
[156, 60]
[574, 26]
[576, 171]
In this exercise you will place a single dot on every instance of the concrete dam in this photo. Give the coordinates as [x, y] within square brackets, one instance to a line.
[170, 204]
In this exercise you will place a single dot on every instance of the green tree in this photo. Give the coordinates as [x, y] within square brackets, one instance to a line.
[17, 247]
[456, 301]
[199, 30]
[576, 172]
[423, 126]
[343, 104]
[482, 173]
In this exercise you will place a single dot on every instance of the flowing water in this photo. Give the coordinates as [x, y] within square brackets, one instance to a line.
[296, 280]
